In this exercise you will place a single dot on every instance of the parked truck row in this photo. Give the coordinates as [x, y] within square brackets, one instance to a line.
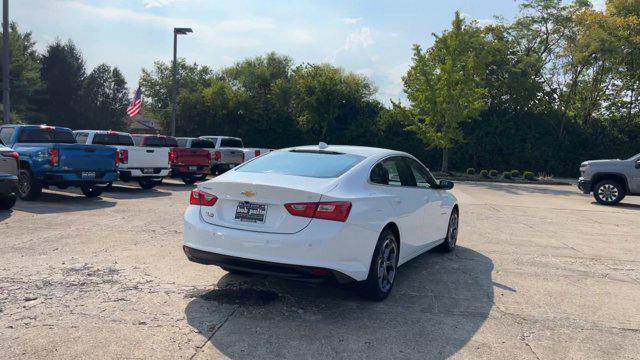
[36, 157]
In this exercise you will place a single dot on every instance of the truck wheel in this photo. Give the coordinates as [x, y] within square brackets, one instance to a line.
[609, 192]
[92, 191]
[189, 180]
[29, 188]
[7, 201]
[147, 183]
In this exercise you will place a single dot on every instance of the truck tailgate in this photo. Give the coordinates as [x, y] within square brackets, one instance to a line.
[86, 157]
[231, 156]
[147, 157]
[184, 156]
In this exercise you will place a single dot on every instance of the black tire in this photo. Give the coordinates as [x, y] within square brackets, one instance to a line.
[189, 180]
[29, 188]
[383, 268]
[609, 192]
[451, 238]
[203, 177]
[92, 191]
[147, 184]
[7, 201]
[234, 271]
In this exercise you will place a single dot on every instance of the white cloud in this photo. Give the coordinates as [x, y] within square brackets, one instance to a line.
[351, 21]
[361, 38]
[481, 22]
[599, 5]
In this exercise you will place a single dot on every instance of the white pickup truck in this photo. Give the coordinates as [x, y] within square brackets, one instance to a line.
[146, 165]
[230, 152]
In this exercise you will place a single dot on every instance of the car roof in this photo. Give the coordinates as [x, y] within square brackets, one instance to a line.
[350, 149]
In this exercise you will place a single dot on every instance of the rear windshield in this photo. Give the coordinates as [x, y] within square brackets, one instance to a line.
[46, 135]
[202, 144]
[160, 141]
[309, 164]
[112, 139]
[231, 142]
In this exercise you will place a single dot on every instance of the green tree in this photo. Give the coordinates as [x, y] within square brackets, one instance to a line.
[63, 73]
[156, 85]
[333, 105]
[444, 86]
[104, 99]
[25, 74]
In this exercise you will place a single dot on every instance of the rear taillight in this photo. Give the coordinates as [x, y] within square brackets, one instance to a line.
[335, 210]
[243, 157]
[54, 157]
[11, 154]
[256, 153]
[208, 156]
[217, 156]
[123, 156]
[201, 198]
[172, 156]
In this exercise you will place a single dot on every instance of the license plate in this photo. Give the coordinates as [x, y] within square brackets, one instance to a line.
[147, 171]
[251, 212]
[193, 168]
[89, 175]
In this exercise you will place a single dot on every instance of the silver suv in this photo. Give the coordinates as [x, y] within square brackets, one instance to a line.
[610, 180]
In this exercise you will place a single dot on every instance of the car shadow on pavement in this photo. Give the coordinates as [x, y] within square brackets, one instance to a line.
[5, 214]
[61, 202]
[518, 189]
[620, 205]
[133, 192]
[439, 302]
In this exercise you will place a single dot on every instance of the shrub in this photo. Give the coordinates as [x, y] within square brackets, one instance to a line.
[484, 173]
[528, 175]
[493, 173]
[515, 173]
[507, 175]
[471, 171]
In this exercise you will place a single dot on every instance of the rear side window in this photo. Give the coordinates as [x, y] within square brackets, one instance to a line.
[46, 135]
[393, 172]
[202, 144]
[231, 142]
[112, 139]
[160, 141]
[6, 134]
[299, 163]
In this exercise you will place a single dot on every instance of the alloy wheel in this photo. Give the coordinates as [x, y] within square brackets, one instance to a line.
[608, 192]
[24, 184]
[387, 264]
[452, 235]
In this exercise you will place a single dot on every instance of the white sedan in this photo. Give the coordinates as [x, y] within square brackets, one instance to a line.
[345, 213]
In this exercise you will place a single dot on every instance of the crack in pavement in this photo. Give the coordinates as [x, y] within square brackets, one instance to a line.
[215, 331]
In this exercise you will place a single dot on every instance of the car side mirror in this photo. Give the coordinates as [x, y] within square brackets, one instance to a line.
[445, 185]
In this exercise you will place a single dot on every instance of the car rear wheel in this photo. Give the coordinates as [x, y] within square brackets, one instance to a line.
[7, 201]
[92, 191]
[147, 183]
[609, 192]
[29, 188]
[384, 265]
[451, 238]
[189, 180]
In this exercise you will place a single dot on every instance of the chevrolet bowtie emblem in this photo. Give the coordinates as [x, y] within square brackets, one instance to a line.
[248, 193]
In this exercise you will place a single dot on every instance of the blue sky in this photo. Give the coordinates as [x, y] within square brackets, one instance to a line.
[372, 37]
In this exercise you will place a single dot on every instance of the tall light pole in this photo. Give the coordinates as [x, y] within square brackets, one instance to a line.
[6, 62]
[174, 106]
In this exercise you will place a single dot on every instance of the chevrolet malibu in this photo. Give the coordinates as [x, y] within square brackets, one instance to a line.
[344, 213]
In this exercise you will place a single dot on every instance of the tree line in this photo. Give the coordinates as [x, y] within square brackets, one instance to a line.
[553, 87]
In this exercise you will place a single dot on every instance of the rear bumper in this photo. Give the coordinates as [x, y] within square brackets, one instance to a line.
[74, 178]
[296, 272]
[584, 185]
[186, 170]
[8, 184]
[144, 173]
[342, 248]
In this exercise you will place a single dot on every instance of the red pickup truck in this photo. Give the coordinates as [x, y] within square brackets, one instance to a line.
[186, 164]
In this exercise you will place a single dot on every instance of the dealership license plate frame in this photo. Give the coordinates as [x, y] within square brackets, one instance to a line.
[244, 212]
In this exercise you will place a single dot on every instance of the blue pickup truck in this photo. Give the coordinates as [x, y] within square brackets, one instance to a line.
[49, 156]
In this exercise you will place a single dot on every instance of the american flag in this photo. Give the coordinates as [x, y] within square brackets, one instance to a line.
[136, 104]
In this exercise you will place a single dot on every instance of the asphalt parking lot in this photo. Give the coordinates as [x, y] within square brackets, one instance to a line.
[541, 272]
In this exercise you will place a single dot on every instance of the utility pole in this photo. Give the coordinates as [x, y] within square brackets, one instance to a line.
[6, 62]
[174, 91]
